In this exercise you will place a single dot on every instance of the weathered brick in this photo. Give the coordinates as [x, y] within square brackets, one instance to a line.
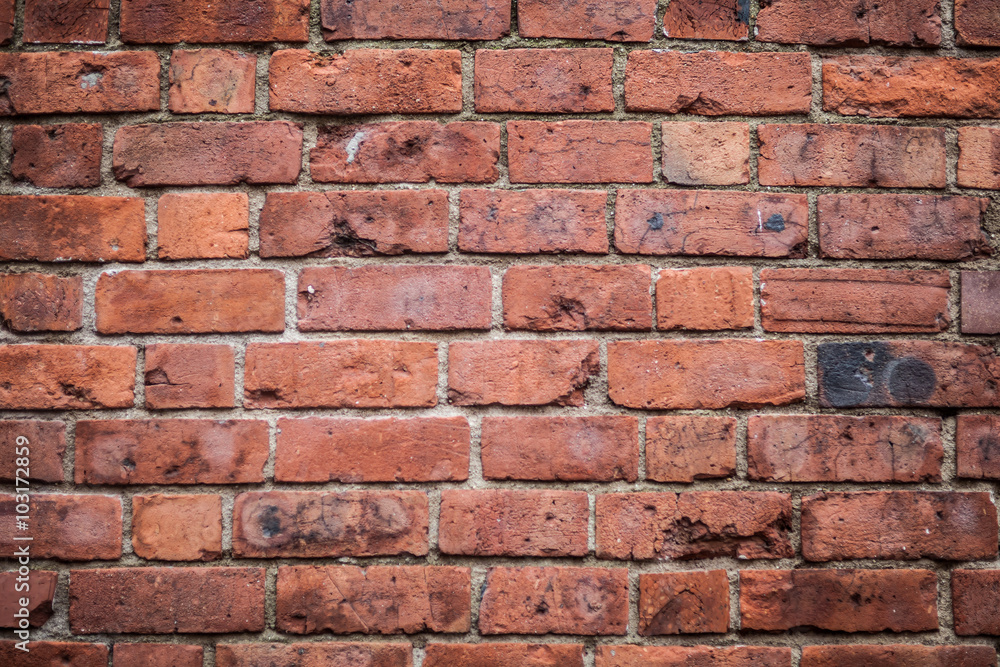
[348, 599]
[610, 20]
[191, 301]
[354, 223]
[177, 527]
[891, 226]
[166, 600]
[195, 22]
[67, 155]
[341, 374]
[696, 222]
[980, 306]
[979, 157]
[66, 22]
[899, 525]
[632, 655]
[423, 19]
[65, 229]
[521, 372]
[67, 527]
[41, 302]
[212, 81]
[686, 448]
[714, 83]
[315, 654]
[577, 298]
[170, 451]
[840, 448]
[504, 655]
[366, 81]
[839, 600]
[543, 80]
[413, 151]
[319, 524]
[208, 153]
[61, 377]
[46, 443]
[198, 225]
[513, 522]
[706, 153]
[189, 376]
[580, 151]
[396, 298]
[47, 82]
[899, 655]
[850, 22]
[851, 155]
[701, 524]
[429, 449]
[7, 8]
[707, 19]
[38, 587]
[46, 654]
[709, 374]
[854, 301]
[674, 603]
[705, 298]
[595, 448]
[158, 655]
[978, 445]
[559, 600]
[920, 373]
[977, 22]
[973, 594]
[533, 221]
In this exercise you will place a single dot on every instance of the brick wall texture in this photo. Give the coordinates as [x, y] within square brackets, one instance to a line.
[492, 333]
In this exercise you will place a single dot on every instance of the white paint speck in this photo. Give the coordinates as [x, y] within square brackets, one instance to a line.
[354, 145]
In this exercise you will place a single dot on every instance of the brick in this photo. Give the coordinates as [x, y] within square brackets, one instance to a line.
[166, 600]
[348, 599]
[413, 151]
[708, 374]
[366, 81]
[46, 653]
[921, 373]
[899, 655]
[674, 603]
[854, 301]
[55, 228]
[66, 22]
[556, 600]
[899, 525]
[189, 376]
[314, 654]
[881, 156]
[354, 223]
[610, 20]
[580, 151]
[341, 374]
[980, 310]
[197, 225]
[208, 153]
[521, 372]
[707, 19]
[839, 448]
[577, 298]
[973, 593]
[170, 451]
[61, 377]
[46, 443]
[424, 19]
[504, 655]
[595, 448]
[632, 655]
[714, 83]
[38, 587]
[702, 524]
[706, 153]
[976, 23]
[7, 8]
[978, 445]
[533, 221]
[705, 298]
[47, 82]
[177, 527]
[320, 524]
[68, 527]
[41, 302]
[513, 522]
[696, 222]
[158, 655]
[850, 22]
[891, 226]
[170, 21]
[67, 155]
[396, 298]
[839, 600]
[889, 87]
[544, 80]
[428, 449]
[686, 448]
[979, 157]
[212, 81]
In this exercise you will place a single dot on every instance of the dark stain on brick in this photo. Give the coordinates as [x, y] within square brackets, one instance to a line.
[911, 380]
[776, 223]
[867, 373]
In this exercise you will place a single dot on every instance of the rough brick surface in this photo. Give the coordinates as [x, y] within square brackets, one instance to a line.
[177, 527]
[706, 154]
[686, 448]
[977, 22]
[504, 655]
[850, 22]
[981, 302]
[189, 376]
[7, 9]
[46, 443]
[203, 226]
[977, 442]
[899, 655]
[68, 22]
[46, 653]
[41, 586]
[424, 19]
[579, 151]
[972, 591]
[677, 603]
[169, 21]
[979, 159]
[158, 655]
[212, 81]
[67, 155]
[612, 20]
[315, 654]
[707, 19]
[706, 299]
[61, 377]
[632, 655]
[68, 527]
[544, 80]
[41, 302]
